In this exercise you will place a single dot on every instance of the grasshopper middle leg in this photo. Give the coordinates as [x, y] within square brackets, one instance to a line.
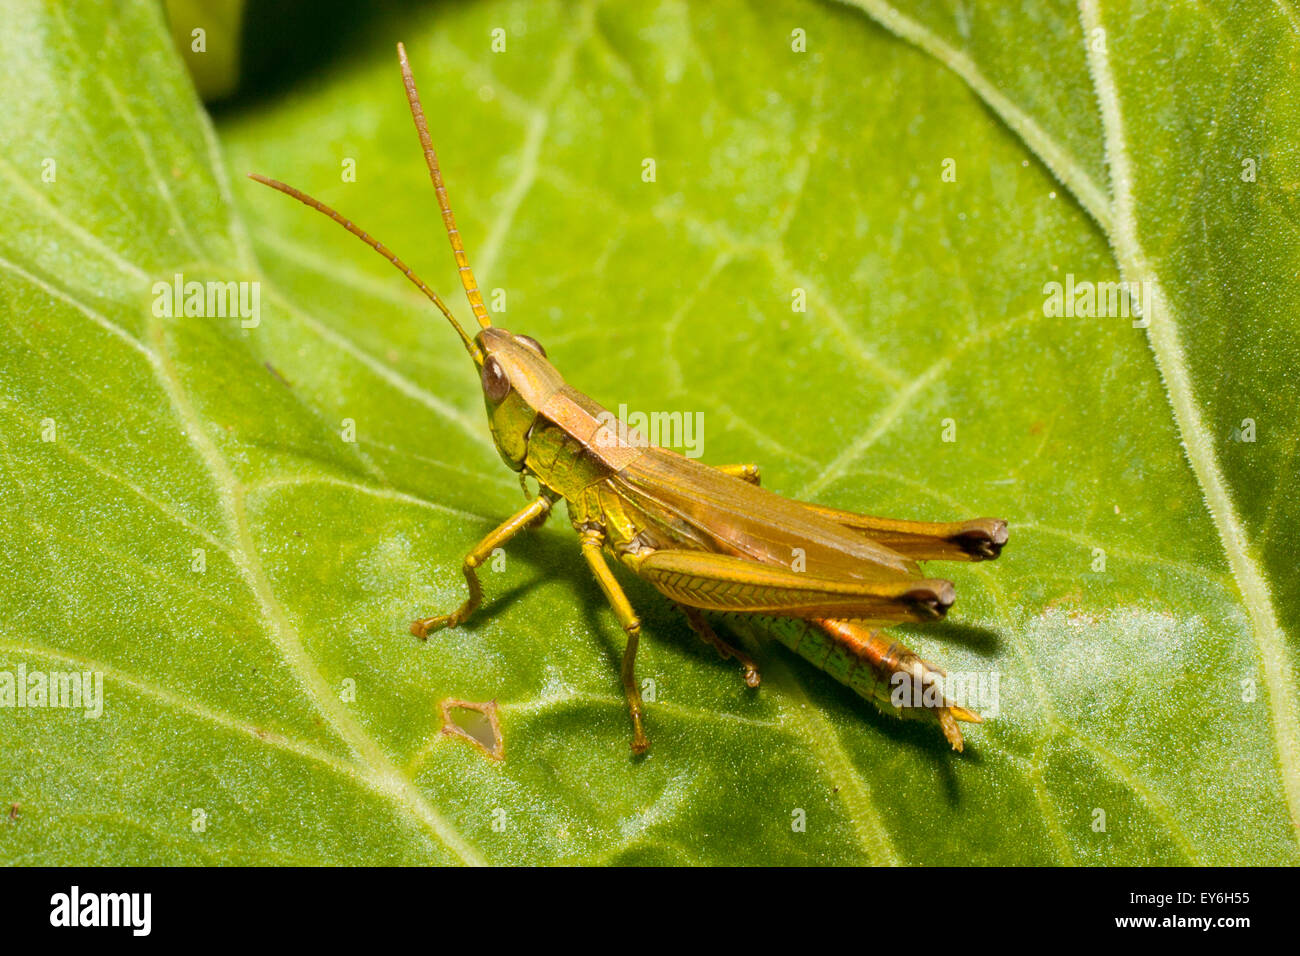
[707, 634]
[592, 542]
[534, 513]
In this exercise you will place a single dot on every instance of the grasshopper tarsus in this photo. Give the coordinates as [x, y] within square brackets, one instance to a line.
[425, 626]
[710, 539]
[951, 732]
[640, 743]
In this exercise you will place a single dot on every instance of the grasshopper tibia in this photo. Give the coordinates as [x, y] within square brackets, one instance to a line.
[592, 542]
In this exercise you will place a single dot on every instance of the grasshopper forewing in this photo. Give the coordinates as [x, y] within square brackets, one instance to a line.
[711, 539]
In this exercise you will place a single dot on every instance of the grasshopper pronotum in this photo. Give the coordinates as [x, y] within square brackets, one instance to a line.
[709, 538]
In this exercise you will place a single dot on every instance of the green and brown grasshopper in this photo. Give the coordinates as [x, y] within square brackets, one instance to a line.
[710, 539]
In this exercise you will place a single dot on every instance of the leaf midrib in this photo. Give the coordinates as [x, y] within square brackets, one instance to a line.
[1197, 443]
[1115, 219]
[380, 770]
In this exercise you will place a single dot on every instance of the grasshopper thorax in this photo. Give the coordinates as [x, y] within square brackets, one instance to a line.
[517, 381]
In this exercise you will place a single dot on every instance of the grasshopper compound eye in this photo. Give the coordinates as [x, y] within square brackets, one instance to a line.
[529, 342]
[496, 385]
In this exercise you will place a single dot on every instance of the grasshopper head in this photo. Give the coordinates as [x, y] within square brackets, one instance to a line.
[517, 380]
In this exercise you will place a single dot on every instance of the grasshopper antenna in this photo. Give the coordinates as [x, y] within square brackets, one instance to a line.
[475, 352]
[431, 160]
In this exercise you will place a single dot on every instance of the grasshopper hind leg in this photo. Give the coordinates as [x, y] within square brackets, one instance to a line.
[880, 668]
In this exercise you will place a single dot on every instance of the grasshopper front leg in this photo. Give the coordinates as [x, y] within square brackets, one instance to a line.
[534, 513]
[592, 542]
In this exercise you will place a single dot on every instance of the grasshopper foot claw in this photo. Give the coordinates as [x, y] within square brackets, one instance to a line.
[425, 626]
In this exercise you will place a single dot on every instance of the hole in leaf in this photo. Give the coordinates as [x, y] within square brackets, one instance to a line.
[476, 723]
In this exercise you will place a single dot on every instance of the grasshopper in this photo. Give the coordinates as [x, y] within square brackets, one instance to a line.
[711, 539]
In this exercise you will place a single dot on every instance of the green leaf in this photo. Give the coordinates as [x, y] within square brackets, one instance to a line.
[206, 32]
[271, 708]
